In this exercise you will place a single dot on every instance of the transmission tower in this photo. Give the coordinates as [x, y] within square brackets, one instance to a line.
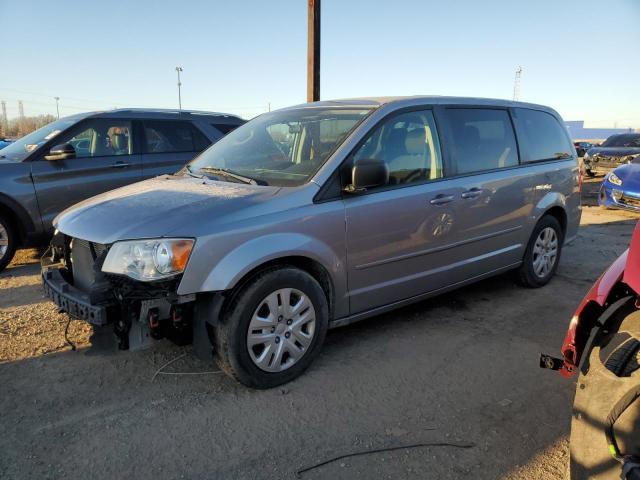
[5, 121]
[516, 83]
[21, 108]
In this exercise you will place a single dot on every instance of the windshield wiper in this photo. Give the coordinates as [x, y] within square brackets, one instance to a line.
[228, 173]
[191, 174]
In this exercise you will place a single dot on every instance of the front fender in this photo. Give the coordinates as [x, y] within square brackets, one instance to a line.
[244, 258]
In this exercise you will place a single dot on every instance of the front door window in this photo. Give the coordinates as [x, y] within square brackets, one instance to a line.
[408, 144]
[102, 138]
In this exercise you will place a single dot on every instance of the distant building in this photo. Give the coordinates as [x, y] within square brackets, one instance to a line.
[579, 132]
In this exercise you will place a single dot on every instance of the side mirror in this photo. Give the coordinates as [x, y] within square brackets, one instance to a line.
[63, 151]
[368, 173]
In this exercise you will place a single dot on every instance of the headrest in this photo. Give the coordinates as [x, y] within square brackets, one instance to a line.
[119, 141]
[416, 141]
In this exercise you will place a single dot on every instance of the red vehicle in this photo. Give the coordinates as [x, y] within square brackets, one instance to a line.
[602, 346]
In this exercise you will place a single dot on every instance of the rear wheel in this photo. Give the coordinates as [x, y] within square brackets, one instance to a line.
[542, 255]
[8, 240]
[273, 328]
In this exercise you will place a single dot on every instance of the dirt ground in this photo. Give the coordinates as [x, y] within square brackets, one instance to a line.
[461, 369]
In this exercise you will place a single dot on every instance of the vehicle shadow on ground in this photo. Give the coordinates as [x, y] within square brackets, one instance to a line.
[21, 270]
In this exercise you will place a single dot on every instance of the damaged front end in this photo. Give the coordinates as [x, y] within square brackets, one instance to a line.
[138, 311]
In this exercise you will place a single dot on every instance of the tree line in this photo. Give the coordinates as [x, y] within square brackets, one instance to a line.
[19, 127]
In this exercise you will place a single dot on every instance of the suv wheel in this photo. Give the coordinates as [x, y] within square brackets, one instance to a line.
[7, 242]
[273, 328]
[543, 253]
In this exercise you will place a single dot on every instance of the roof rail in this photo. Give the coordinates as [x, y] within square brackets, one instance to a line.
[177, 111]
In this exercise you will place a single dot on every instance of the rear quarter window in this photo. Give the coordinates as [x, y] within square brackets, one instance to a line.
[541, 136]
[224, 128]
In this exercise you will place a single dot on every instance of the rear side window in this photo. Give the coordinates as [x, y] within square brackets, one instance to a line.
[541, 136]
[172, 137]
[483, 139]
[200, 142]
[224, 128]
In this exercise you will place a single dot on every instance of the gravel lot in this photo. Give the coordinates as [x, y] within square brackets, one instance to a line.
[461, 368]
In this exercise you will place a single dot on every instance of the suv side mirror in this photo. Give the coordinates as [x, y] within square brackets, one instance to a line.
[368, 173]
[63, 151]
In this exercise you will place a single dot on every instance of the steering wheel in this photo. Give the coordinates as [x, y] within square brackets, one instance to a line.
[414, 175]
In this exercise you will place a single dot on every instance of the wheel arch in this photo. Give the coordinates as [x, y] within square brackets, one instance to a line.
[301, 262]
[555, 205]
[559, 214]
[18, 217]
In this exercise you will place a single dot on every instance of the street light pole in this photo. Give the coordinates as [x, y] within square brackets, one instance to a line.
[57, 107]
[179, 69]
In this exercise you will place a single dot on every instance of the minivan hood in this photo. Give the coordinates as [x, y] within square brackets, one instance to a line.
[155, 207]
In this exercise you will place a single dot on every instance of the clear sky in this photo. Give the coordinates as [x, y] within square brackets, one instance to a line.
[579, 56]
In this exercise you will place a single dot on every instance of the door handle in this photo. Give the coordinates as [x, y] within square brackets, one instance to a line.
[120, 165]
[472, 193]
[441, 199]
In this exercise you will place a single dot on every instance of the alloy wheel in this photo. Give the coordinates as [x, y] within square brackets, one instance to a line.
[4, 241]
[545, 252]
[281, 330]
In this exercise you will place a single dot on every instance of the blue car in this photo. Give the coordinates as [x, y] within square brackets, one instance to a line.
[4, 142]
[621, 188]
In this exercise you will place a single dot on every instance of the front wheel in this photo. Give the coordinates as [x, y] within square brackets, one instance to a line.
[8, 240]
[542, 254]
[273, 328]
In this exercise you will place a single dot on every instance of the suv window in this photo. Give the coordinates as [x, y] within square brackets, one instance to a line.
[408, 144]
[169, 136]
[224, 128]
[541, 136]
[483, 139]
[101, 138]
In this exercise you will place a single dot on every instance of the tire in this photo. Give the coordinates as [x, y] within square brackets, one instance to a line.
[529, 274]
[260, 304]
[8, 241]
[608, 373]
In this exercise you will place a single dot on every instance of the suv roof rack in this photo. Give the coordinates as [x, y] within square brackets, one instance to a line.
[172, 110]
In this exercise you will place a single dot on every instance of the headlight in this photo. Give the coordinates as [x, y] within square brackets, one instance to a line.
[613, 178]
[149, 260]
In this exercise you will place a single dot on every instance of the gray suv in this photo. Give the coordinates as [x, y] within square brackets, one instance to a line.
[80, 156]
[317, 216]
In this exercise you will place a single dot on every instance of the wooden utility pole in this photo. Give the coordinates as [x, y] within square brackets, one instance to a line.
[313, 51]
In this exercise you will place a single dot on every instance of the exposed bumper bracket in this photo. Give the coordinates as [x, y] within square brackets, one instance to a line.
[71, 300]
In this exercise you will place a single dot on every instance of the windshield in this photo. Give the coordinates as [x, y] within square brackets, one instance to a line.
[281, 148]
[21, 148]
[627, 140]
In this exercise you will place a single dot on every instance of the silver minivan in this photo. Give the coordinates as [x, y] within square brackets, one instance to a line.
[317, 216]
